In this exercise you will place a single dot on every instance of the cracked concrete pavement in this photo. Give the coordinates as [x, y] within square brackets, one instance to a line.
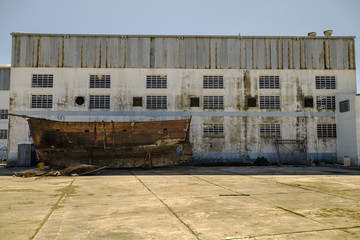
[184, 203]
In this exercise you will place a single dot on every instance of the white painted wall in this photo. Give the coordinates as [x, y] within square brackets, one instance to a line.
[346, 129]
[241, 124]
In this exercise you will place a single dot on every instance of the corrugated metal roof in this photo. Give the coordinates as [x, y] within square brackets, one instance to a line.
[193, 52]
[4, 78]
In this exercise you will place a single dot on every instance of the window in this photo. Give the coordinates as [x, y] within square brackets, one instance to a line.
[251, 102]
[213, 102]
[325, 102]
[3, 116]
[270, 130]
[325, 82]
[194, 102]
[42, 81]
[344, 106]
[213, 82]
[99, 81]
[156, 102]
[156, 81]
[3, 133]
[269, 82]
[79, 100]
[99, 102]
[269, 102]
[308, 102]
[213, 130]
[41, 101]
[137, 101]
[326, 130]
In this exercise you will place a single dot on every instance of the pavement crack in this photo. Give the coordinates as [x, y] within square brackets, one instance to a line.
[309, 231]
[260, 200]
[289, 211]
[65, 192]
[215, 184]
[186, 225]
[295, 186]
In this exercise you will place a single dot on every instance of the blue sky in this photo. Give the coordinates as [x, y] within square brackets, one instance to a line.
[185, 17]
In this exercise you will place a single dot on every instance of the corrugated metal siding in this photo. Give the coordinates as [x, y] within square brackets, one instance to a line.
[193, 52]
[4, 78]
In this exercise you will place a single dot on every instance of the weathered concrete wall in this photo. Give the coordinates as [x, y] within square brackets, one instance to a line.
[187, 52]
[241, 141]
[4, 105]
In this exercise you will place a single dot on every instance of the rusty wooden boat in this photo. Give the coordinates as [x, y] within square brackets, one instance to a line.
[111, 144]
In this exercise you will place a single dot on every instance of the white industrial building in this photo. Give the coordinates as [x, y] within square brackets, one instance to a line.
[4, 107]
[288, 99]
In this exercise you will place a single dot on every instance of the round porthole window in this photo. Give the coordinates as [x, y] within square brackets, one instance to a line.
[79, 100]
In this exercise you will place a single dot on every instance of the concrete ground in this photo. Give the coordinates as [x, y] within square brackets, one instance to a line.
[184, 203]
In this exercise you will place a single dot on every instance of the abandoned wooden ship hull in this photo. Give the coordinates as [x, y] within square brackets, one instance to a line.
[111, 144]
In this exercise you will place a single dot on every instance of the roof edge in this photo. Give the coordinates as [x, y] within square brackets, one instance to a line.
[14, 34]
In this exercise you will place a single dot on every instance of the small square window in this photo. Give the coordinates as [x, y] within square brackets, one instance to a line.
[344, 106]
[251, 102]
[3, 116]
[194, 102]
[308, 102]
[137, 101]
[3, 134]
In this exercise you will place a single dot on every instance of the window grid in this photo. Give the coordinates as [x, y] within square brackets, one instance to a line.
[269, 102]
[99, 102]
[326, 130]
[213, 130]
[3, 134]
[344, 106]
[156, 81]
[3, 116]
[325, 102]
[41, 101]
[269, 82]
[325, 82]
[156, 102]
[99, 81]
[213, 82]
[42, 80]
[270, 131]
[213, 102]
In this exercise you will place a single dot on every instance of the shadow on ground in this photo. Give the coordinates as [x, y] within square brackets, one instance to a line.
[329, 169]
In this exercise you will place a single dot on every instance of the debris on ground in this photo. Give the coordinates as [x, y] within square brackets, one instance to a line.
[74, 170]
[261, 161]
